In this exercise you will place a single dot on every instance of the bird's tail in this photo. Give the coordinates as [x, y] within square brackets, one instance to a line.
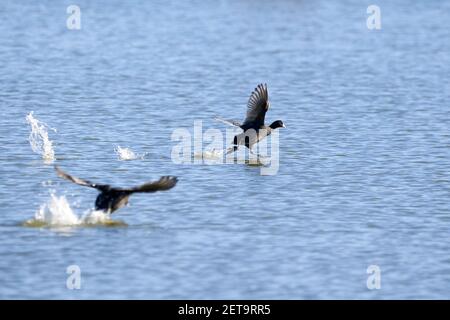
[232, 149]
[232, 123]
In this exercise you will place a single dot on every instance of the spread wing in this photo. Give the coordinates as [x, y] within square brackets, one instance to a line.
[257, 106]
[164, 183]
[79, 181]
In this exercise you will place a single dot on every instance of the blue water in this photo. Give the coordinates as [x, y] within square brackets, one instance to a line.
[364, 176]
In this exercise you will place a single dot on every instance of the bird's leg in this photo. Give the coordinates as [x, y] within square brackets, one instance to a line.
[232, 149]
[258, 156]
[253, 153]
[252, 160]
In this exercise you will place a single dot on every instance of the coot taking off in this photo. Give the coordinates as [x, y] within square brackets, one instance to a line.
[254, 128]
[111, 199]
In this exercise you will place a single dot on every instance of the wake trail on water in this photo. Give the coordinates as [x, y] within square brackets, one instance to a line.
[210, 155]
[56, 212]
[126, 154]
[217, 156]
[39, 140]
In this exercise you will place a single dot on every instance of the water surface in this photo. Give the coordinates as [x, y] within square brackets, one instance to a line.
[364, 164]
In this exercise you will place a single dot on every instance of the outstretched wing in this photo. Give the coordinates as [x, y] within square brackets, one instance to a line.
[79, 181]
[164, 183]
[233, 123]
[257, 106]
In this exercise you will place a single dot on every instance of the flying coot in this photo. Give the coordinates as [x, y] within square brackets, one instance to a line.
[111, 199]
[254, 128]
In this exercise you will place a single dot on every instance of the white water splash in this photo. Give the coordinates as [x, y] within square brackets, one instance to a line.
[209, 155]
[56, 212]
[125, 154]
[38, 138]
[243, 156]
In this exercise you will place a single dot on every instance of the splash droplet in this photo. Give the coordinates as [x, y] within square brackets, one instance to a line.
[38, 138]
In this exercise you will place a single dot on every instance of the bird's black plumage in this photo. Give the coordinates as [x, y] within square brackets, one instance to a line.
[257, 106]
[111, 199]
[254, 129]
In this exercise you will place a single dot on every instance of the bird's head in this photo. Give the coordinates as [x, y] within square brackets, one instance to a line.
[277, 124]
